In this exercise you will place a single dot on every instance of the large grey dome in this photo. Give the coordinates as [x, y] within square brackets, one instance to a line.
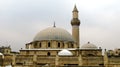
[53, 33]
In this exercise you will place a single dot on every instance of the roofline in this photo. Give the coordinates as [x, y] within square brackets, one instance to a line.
[45, 49]
[48, 49]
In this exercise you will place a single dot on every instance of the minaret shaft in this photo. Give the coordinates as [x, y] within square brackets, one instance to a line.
[75, 34]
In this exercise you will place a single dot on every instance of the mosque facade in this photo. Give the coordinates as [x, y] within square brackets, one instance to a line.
[55, 47]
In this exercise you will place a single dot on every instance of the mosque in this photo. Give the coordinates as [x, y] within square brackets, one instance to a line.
[55, 47]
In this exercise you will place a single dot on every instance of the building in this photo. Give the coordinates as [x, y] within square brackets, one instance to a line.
[55, 47]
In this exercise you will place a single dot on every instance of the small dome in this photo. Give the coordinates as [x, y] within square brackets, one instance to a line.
[8, 66]
[53, 33]
[65, 52]
[1, 54]
[89, 46]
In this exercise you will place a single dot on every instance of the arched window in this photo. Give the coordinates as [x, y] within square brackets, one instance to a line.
[40, 45]
[48, 44]
[59, 45]
[72, 45]
[48, 54]
[35, 45]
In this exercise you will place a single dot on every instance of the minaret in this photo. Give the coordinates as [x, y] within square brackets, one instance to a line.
[75, 22]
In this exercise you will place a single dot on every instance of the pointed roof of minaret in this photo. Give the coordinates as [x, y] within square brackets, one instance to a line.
[75, 9]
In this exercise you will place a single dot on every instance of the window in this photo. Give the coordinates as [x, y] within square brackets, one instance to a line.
[90, 55]
[35, 45]
[72, 45]
[40, 45]
[59, 45]
[48, 54]
[48, 44]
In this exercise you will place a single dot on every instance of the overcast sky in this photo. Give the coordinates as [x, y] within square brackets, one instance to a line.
[21, 20]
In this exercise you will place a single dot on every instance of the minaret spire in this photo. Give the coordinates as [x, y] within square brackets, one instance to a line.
[75, 9]
[75, 20]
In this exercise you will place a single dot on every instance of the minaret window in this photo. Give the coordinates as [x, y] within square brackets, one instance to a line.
[48, 44]
[59, 45]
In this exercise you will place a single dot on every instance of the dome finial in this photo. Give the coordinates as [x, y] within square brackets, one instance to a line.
[75, 8]
[54, 24]
[88, 42]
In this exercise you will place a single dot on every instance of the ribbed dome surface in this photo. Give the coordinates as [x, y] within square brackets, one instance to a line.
[53, 33]
[89, 46]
